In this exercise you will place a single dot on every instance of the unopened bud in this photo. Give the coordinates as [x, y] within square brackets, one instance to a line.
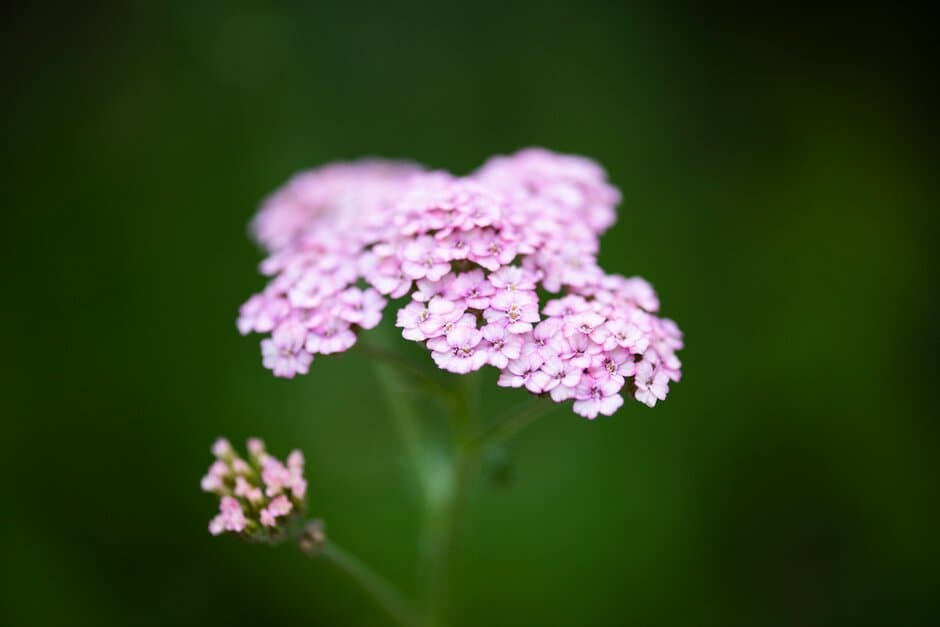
[312, 538]
[221, 448]
[264, 507]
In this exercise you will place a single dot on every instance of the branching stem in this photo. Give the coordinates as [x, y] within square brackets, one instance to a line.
[443, 480]
[510, 425]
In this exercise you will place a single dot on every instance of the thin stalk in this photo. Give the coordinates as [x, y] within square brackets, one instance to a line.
[383, 593]
[431, 384]
[442, 519]
[506, 427]
[407, 424]
[442, 584]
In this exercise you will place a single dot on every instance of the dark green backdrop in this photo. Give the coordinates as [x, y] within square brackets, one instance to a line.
[774, 168]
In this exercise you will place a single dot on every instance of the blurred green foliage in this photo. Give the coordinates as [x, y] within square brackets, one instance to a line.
[774, 167]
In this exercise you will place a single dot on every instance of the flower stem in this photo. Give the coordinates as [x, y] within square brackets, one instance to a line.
[407, 424]
[440, 539]
[443, 481]
[385, 595]
[507, 427]
[442, 520]
[430, 384]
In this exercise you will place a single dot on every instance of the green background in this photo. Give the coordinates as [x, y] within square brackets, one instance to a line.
[774, 169]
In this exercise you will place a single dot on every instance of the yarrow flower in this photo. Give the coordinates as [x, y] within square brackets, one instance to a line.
[477, 257]
[259, 496]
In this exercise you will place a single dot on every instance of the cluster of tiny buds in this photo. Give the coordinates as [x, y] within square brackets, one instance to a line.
[260, 497]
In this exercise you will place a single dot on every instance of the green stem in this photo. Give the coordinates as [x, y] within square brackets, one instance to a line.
[443, 484]
[505, 428]
[407, 424]
[385, 595]
[442, 519]
[431, 384]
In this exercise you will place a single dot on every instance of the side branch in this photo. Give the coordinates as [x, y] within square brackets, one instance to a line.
[385, 595]
[506, 427]
[431, 384]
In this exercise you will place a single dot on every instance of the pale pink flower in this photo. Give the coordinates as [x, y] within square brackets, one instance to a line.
[553, 373]
[472, 288]
[651, 384]
[618, 332]
[445, 314]
[455, 246]
[421, 258]
[261, 314]
[633, 290]
[547, 339]
[410, 319]
[361, 307]
[563, 392]
[665, 361]
[667, 329]
[384, 274]
[518, 372]
[491, 249]
[464, 351]
[585, 323]
[333, 337]
[284, 353]
[566, 307]
[501, 346]
[425, 289]
[512, 278]
[324, 197]
[614, 364]
[666, 340]
[597, 397]
[581, 351]
[576, 185]
[515, 310]
[420, 321]
[574, 268]
[438, 343]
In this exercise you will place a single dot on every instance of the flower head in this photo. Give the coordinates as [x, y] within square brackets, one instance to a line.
[474, 255]
[258, 495]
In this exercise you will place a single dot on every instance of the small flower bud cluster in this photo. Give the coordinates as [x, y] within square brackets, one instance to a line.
[259, 496]
[471, 254]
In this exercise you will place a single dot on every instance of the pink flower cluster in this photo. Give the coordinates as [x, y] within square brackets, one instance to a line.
[258, 495]
[475, 256]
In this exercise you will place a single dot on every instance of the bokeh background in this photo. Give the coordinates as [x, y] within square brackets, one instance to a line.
[776, 172]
